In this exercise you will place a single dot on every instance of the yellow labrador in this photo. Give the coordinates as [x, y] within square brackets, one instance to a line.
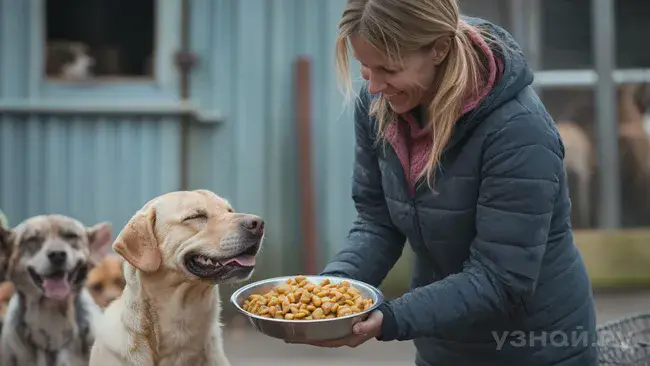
[178, 248]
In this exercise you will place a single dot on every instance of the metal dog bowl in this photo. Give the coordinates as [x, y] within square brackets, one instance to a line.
[305, 330]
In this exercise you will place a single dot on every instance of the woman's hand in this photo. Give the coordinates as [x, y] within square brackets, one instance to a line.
[362, 332]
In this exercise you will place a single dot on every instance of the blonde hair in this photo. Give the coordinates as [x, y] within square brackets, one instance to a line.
[398, 28]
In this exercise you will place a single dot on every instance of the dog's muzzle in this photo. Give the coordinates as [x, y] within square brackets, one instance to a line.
[217, 270]
[57, 283]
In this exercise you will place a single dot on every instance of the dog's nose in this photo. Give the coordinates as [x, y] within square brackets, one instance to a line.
[254, 225]
[57, 257]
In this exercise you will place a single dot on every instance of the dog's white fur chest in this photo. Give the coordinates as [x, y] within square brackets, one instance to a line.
[186, 328]
[36, 333]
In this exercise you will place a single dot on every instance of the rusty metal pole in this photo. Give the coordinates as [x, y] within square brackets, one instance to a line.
[306, 183]
[185, 60]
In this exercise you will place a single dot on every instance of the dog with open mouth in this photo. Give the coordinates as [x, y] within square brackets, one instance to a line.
[178, 249]
[50, 317]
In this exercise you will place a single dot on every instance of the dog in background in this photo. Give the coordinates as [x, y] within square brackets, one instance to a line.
[106, 281]
[579, 162]
[179, 248]
[634, 144]
[632, 106]
[68, 60]
[578, 130]
[51, 317]
[642, 98]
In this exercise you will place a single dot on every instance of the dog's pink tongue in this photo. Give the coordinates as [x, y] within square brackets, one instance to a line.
[56, 288]
[242, 260]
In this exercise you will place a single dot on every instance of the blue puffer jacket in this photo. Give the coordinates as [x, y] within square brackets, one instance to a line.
[497, 278]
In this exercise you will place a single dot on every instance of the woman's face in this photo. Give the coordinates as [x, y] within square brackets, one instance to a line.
[404, 87]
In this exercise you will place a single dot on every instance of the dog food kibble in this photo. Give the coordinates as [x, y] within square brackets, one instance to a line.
[300, 299]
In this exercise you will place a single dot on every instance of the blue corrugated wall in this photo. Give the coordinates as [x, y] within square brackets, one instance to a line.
[94, 168]
[247, 73]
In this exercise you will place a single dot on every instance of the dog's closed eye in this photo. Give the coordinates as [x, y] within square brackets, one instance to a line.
[198, 215]
[32, 242]
[69, 235]
[32, 239]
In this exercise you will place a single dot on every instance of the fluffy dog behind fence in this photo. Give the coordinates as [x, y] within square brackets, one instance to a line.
[50, 319]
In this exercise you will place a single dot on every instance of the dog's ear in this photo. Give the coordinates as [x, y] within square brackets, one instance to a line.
[137, 242]
[100, 238]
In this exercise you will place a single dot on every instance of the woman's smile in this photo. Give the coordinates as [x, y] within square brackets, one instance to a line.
[399, 102]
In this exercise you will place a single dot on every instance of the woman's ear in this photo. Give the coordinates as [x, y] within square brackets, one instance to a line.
[440, 49]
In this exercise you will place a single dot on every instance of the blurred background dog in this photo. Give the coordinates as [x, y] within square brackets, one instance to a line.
[51, 316]
[106, 280]
[577, 128]
[68, 60]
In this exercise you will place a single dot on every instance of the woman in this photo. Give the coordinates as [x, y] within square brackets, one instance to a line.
[456, 154]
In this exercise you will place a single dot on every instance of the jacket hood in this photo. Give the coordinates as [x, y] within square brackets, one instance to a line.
[513, 78]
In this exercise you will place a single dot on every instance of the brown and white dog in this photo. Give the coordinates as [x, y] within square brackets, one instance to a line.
[106, 280]
[634, 154]
[50, 319]
[179, 248]
[579, 161]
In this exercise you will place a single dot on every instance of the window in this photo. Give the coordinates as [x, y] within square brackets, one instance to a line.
[568, 41]
[497, 11]
[99, 39]
[632, 29]
[566, 34]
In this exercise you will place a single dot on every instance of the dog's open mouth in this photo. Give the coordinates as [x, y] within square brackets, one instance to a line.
[214, 269]
[56, 285]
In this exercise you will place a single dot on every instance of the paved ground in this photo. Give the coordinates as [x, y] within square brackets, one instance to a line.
[248, 348]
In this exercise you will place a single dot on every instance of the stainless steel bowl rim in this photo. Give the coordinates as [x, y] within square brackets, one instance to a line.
[377, 293]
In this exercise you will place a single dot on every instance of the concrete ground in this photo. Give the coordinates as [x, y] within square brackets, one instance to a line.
[245, 347]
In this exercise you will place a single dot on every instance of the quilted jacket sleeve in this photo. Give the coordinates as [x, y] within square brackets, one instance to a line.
[373, 244]
[519, 184]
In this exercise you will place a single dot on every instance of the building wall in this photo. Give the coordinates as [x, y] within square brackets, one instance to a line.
[95, 168]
